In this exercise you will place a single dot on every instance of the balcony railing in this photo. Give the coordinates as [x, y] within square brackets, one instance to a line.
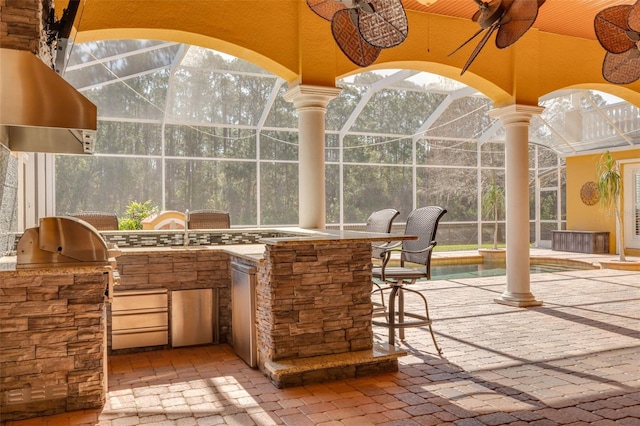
[597, 123]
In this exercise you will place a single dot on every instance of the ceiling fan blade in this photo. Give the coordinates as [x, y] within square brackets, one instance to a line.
[633, 18]
[478, 48]
[621, 68]
[348, 38]
[517, 20]
[387, 26]
[611, 29]
[476, 16]
[466, 42]
[325, 8]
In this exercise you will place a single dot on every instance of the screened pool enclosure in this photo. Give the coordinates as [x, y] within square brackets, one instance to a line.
[190, 128]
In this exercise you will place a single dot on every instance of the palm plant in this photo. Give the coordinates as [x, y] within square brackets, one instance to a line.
[492, 203]
[609, 183]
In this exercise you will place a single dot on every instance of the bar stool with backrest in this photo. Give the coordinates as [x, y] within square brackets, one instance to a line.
[422, 222]
[380, 221]
[102, 221]
[208, 219]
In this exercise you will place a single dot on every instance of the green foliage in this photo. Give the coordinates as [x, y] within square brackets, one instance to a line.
[608, 180]
[492, 198]
[127, 223]
[493, 202]
[135, 213]
[609, 183]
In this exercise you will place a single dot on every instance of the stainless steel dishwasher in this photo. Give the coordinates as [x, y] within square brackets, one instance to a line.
[193, 315]
[243, 312]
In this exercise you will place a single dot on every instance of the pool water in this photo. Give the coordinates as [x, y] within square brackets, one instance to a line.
[476, 270]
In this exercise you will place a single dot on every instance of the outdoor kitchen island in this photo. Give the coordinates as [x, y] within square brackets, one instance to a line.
[313, 306]
[312, 310]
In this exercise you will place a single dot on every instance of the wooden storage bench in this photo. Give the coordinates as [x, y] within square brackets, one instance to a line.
[580, 241]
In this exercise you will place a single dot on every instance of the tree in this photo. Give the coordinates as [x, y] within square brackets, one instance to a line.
[492, 203]
[609, 183]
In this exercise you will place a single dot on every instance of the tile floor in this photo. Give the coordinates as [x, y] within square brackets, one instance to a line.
[575, 360]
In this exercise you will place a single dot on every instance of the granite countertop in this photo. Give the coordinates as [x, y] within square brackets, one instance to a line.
[321, 235]
[252, 252]
[8, 264]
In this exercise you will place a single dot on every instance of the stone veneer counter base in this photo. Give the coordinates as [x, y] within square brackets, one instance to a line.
[314, 309]
[304, 371]
[51, 340]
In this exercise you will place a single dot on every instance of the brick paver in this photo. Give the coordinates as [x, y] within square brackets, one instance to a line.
[572, 361]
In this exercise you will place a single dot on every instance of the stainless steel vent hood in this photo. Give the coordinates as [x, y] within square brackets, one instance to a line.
[40, 111]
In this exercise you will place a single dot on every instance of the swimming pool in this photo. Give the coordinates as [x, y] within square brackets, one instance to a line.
[476, 270]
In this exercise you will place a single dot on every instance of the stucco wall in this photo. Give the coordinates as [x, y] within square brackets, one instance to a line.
[580, 216]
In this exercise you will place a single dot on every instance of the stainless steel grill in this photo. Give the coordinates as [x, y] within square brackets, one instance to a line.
[61, 240]
[66, 241]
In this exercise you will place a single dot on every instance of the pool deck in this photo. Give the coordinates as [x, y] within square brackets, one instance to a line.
[575, 360]
[535, 253]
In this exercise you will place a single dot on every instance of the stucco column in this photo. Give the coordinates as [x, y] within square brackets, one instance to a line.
[515, 120]
[311, 105]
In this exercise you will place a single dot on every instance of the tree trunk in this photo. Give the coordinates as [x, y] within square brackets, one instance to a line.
[495, 226]
[620, 238]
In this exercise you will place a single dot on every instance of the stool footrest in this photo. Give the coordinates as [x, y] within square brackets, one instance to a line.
[392, 319]
[423, 321]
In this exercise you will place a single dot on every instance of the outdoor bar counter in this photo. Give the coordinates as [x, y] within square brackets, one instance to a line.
[312, 309]
[312, 295]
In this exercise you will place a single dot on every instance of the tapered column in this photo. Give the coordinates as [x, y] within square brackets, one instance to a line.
[515, 120]
[311, 105]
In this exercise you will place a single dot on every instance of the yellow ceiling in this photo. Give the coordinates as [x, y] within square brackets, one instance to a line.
[566, 17]
[285, 37]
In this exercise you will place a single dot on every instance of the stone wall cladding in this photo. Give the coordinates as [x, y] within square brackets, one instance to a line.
[314, 300]
[179, 270]
[23, 25]
[51, 343]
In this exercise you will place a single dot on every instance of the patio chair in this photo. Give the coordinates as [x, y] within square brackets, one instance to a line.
[208, 219]
[102, 221]
[422, 222]
[380, 221]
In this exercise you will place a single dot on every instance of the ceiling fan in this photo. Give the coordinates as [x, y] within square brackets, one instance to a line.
[510, 18]
[362, 28]
[618, 31]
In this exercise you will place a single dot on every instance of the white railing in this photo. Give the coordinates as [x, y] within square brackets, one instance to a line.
[597, 123]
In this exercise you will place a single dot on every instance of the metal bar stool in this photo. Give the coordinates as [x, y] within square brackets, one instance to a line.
[422, 222]
[380, 221]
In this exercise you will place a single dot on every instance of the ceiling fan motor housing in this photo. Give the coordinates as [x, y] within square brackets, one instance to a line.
[491, 14]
